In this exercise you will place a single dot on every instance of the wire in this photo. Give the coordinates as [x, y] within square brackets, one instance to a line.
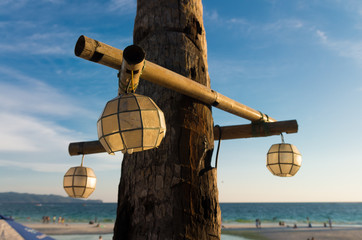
[82, 161]
[218, 145]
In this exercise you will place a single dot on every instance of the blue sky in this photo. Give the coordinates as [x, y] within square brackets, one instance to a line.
[290, 59]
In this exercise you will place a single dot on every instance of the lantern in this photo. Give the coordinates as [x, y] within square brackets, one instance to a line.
[131, 123]
[79, 182]
[284, 159]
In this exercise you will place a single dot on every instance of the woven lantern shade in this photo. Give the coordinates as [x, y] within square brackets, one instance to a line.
[131, 123]
[283, 160]
[79, 182]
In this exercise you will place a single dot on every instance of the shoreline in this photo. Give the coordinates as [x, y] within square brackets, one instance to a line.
[71, 228]
[268, 231]
[275, 232]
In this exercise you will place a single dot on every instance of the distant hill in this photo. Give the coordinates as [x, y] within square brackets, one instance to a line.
[13, 197]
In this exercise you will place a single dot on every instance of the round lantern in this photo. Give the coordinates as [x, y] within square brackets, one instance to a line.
[79, 182]
[283, 160]
[131, 123]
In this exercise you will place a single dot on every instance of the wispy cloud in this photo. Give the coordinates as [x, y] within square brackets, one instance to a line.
[211, 15]
[12, 4]
[29, 112]
[241, 24]
[321, 35]
[55, 42]
[122, 6]
[31, 135]
[343, 47]
[24, 133]
[31, 96]
[283, 24]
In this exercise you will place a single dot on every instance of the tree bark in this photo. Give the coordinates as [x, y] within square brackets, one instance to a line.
[171, 192]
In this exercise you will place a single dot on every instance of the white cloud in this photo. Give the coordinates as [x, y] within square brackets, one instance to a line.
[238, 21]
[31, 136]
[55, 1]
[276, 26]
[23, 133]
[32, 96]
[345, 48]
[283, 24]
[122, 5]
[24, 110]
[211, 16]
[38, 43]
[321, 35]
[6, 4]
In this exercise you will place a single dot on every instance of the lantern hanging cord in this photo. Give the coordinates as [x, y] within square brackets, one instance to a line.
[132, 81]
[81, 164]
[281, 134]
[218, 145]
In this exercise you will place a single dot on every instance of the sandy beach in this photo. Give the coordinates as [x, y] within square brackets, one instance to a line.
[72, 228]
[276, 232]
[266, 232]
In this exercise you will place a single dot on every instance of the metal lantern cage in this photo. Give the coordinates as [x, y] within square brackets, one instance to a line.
[79, 182]
[283, 160]
[131, 123]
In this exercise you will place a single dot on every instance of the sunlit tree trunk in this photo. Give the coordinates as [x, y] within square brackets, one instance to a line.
[171, 192]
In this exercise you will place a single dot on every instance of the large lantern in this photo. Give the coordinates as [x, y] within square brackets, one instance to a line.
[283, 159]
[79, 182]
[131, 123]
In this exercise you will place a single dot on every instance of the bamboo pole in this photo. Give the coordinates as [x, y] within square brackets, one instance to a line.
[256, 130]
[227, 132]
[104, 54]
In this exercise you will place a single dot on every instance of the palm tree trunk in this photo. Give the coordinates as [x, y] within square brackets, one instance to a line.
[171, 192]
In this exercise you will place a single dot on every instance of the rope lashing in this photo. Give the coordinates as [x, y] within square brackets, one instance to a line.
[130, 85]
[262, 117]
[132, 81]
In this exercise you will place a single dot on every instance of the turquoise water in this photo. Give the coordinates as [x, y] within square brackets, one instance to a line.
[340, 213]
[72, 212]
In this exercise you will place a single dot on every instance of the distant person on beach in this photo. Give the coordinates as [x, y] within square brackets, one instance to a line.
[54, 219]
[330, 222]
[257, 223]
[309, 224]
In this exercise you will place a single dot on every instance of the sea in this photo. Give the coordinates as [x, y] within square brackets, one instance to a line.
[342, 214]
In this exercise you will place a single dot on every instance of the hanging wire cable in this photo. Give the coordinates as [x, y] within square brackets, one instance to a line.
[281, 134]
[218, 145]
[82, 161]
